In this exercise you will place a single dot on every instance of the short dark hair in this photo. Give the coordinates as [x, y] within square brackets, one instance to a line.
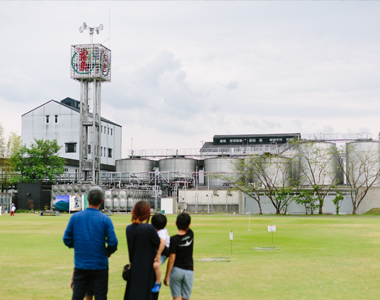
[183, 221]
[95, 195]
[159, 221]
[141, 211]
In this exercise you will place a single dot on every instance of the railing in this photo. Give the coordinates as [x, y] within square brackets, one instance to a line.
[338, 136]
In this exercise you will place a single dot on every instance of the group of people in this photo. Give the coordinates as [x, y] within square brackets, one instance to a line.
[92, 235]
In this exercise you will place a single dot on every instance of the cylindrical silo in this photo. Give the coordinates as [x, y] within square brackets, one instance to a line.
[317, 163]
[218, 165]
[140, 168]
[278, 170]
[363, 162]
[178, 168]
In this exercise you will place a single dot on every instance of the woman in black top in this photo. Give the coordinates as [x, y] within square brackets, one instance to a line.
[142, 254]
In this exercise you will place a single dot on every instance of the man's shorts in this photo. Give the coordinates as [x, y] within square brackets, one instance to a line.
[181, 282]
[163, 259]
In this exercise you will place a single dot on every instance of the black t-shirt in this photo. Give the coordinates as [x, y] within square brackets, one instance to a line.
[182, 247]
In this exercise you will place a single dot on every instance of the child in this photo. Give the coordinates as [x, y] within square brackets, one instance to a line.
[159, 222]
[180, 268]
[13, 208]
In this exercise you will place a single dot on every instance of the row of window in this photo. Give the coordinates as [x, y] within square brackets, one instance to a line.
[55, 118]
[103, 129]
[253, 140]
[72, 148]
[106, 130]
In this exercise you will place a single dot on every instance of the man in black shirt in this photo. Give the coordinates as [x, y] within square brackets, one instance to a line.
[180, 269]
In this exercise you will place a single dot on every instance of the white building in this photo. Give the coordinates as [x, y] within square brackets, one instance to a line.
[60, 121]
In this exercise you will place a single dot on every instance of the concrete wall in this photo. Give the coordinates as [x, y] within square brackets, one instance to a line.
[371, 200]
[294, 208]
[215, 200]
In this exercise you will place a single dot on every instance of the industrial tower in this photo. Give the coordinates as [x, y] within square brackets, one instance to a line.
[90, 65]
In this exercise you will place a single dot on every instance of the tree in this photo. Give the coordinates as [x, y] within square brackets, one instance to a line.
[241, 179]
[338, 201]
[7, 149]
[361, 171]
[318, 167]
[264, 174]
[307, 199]
[38, 162]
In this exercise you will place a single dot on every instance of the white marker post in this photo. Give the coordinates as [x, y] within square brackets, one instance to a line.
[1, 209]
[249, 220]
[272, 228]
[231, 238]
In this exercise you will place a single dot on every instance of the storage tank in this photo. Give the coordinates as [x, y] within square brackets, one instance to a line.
[317, 163]
[140, 168]
[278, 169]
[178, 168]
[363, 162]
[217, 165]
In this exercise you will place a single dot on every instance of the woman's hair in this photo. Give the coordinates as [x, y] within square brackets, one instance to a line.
[141, 211]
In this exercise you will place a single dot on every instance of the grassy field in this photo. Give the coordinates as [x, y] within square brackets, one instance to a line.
[320, 258]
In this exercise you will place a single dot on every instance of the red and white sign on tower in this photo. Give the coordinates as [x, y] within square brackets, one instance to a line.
[90, 61]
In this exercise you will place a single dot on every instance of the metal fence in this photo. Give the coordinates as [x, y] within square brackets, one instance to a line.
[5, 202]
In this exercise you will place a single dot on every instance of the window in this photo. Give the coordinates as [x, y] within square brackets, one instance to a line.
[260, 140]
[71, 147]
[89, 149]
[108, 131]
[236, 140]
[109, 152]
[222, 141]
[252, 140]
[47, 119]
[101, 151]
[111, 131]
[101, 129]
[56, 118]
[66, 170]
[275, 140]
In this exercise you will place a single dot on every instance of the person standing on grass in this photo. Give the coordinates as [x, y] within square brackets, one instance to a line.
[88, 232]
[13, 208]
[180, 270]
[144, 248]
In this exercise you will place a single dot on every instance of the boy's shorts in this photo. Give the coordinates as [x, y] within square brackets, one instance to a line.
[181, 282]
[163, 259]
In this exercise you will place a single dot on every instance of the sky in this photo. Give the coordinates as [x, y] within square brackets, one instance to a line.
[183, 72]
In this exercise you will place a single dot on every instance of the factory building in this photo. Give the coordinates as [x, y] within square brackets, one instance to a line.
[60, 121]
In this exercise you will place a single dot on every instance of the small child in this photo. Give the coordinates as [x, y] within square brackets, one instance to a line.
[180, 268]
[159, 223]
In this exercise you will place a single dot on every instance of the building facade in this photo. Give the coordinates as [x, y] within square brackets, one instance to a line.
[60, 121]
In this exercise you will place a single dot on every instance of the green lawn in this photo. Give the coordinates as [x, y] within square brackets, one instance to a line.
[320, 258]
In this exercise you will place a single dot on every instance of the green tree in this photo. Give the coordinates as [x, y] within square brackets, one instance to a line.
[38, 162]
[242, 178]
[307, 199]
[338, 201]
[267, 174]
[317, 164]
[7, 149]
[361, 170]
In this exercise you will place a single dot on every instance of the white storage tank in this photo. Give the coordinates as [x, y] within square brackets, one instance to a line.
[140, 167]
[279, 170]
[218, 165]
[363, 162]
[178, 168]
[318, 159]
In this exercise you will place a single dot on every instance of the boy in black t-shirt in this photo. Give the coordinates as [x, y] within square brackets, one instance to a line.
[180, 269]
